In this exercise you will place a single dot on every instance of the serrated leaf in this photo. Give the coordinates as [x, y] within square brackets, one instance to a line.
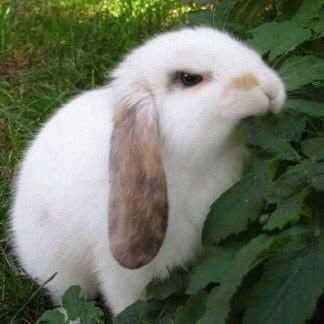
[294, 240]
[52, 317]
[313, 148]
[231, 212]
[288, 290]
[282, 149]
[278, 38]
[71, 302]
[295, 179]
[273, 133]
[287, 212]
[308, 10]
[218, 303]
[160, 289]
[311, 108]
[149, 312]
[77, 307]
[298, 71]
[211, 270]
[134, 313]
[89, 313]
[193, 310]
[288, 125]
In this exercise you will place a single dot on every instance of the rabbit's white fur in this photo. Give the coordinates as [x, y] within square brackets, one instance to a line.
[60, 213]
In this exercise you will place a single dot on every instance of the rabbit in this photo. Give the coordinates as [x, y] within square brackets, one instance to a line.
[114, 189]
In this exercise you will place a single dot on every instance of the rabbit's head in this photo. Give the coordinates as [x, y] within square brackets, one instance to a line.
[180, 92]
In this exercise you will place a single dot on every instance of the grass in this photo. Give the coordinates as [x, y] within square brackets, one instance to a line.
[49, 51]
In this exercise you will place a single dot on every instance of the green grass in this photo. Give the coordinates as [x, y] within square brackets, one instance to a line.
[49, 51]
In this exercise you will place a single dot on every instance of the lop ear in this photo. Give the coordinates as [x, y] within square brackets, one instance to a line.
[138, 207]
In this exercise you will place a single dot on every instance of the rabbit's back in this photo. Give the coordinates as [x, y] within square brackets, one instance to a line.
[62, 189]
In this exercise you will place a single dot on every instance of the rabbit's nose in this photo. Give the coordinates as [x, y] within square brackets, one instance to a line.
[271, 89]
[271, 99]
[274, 90]
[276, 100]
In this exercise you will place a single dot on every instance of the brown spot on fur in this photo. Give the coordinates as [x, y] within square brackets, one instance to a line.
[245, 81]
[138, 207]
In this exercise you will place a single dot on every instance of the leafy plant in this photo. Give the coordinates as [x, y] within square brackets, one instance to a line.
[266, 232]
[75, 307]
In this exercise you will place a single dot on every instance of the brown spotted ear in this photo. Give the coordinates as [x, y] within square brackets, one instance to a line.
[138, 206]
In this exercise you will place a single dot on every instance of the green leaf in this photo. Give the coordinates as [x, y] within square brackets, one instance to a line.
[278, 38]
[288, 125]
[52, 317]
[193, 310]
[311, 108]
[308, 10]
[231, 212]
[202, 17]
[318, 182]
[250, 13]
[222, 11]
[71, 302]
[90, 314]
[287, 212]
[160, 289]
[313, 148]
[77, 307]
[295, 179]
[318, 24]
[289, 288]
[298, 71]
[279, 147]
[273, 133]
[148, 312]
[286, 8]
[134, 313]
[218, 303]
[212, 270]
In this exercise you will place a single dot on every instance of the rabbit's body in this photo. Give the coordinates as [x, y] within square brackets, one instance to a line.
[91, 193]
[60, 217]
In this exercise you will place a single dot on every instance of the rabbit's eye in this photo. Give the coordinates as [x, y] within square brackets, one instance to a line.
[188, 79]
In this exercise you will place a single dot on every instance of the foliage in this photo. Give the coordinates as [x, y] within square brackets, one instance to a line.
[265, 234]
[75, 307]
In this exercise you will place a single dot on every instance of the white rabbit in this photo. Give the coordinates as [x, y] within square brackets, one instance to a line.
[115, 188]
